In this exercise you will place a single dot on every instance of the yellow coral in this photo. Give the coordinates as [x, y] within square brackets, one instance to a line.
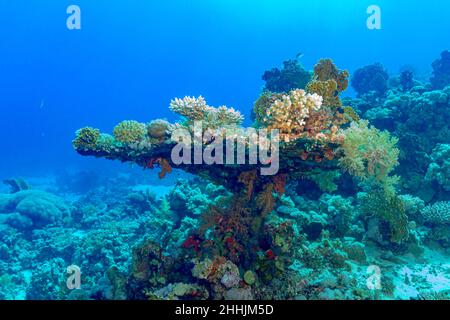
[130, 131]
[328, 90]
[86, 139]
[289, 113]
[326, 70]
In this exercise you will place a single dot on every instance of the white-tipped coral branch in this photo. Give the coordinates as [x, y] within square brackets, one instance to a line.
[196, 109]
[290, 112]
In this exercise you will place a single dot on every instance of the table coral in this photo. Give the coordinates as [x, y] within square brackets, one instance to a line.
[243, 228]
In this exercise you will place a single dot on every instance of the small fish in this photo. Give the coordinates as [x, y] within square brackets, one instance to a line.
[41, 106]
[299, 55]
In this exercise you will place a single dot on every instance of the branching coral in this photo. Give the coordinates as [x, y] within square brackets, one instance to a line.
[289, 114]
[196, 109]
[407, 80]
[437, 214]
[261, 226]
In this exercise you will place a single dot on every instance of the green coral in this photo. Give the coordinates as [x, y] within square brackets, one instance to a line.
[130, 131]
[325, 180]
[388, 207]
[250, 277]
[106, 143]
[369, 152]
[261, 106]
[86, 139]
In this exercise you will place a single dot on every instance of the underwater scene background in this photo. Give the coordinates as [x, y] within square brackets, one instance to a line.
[360, 206]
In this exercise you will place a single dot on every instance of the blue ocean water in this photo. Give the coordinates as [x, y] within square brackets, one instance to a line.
[130, 59]
[240, 236]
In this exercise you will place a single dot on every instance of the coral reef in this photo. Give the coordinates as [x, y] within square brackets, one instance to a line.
[418, 118]
[370, 78]
[441, 71]
[292, 76]
[313, 146]
[389, 208]
[313, 230]
[439, 168]
[407, 80]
